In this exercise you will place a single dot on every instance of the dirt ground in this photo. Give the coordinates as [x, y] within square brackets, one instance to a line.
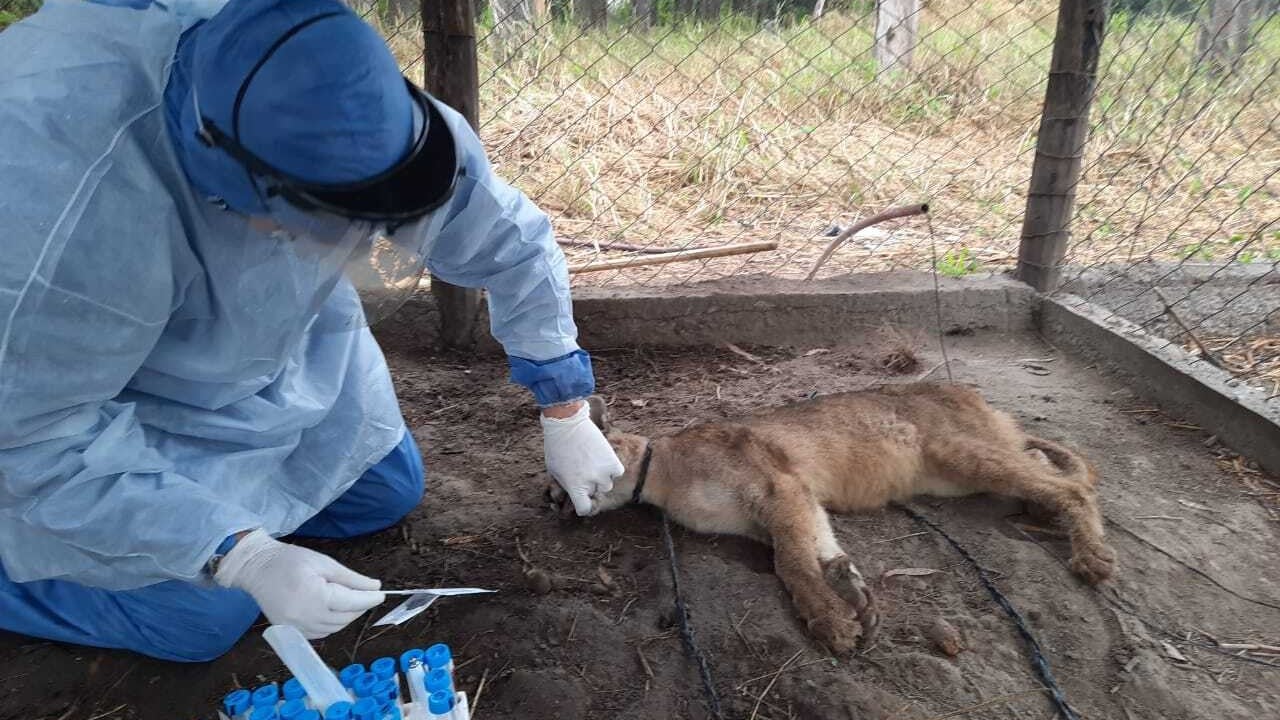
[1190, 524]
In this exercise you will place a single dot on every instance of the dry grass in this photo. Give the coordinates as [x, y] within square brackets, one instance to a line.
[1257, 359]
[696, 135]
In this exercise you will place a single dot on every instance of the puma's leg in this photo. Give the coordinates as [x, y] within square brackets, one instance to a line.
[989, 468]
[843, 576]
[787, 510]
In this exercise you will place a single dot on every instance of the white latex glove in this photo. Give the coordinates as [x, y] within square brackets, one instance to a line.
[296, 586]
[579, 458]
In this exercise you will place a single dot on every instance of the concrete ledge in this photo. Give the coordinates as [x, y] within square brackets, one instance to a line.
[1238, 414]
[761, 310]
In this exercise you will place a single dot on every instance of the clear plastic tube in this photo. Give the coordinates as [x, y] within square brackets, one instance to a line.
[321, 685]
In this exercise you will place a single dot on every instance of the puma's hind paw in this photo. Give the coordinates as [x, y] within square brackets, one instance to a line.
[1094, 563]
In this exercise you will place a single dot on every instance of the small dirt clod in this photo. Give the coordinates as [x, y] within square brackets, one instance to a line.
[945, 637]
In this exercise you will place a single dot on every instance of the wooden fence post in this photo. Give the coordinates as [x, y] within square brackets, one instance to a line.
[452, 76]
[1064, 130]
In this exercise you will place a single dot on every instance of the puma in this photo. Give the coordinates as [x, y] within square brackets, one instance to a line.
[774, 474]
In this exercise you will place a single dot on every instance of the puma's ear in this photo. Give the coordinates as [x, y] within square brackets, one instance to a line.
[599, 412]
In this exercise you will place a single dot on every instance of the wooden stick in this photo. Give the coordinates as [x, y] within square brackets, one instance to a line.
[678, 256]
[854, 229]
[475, 701]
[620, 246]
[1252, 647]
[1204, 351]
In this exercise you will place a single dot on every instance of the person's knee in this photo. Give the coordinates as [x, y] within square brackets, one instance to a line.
[403, 480]
[211, 624]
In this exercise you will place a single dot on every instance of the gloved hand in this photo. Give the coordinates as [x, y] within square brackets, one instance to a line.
[296, 586]
[579, 458]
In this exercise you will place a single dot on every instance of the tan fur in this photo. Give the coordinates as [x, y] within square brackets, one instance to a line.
[773, 475]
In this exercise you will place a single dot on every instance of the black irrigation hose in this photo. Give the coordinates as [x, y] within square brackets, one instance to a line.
[686, 631]
[1038, 661]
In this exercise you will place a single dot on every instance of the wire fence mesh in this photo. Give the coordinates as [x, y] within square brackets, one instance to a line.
[1177, 218]
[650, 125]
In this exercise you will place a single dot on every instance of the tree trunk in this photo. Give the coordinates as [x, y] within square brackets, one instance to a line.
[646, 13]
[897, 25]
[1225, 34]
[592, 13]
[818, 8]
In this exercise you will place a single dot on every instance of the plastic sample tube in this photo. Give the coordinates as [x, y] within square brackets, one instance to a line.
[291, 709]
[236, 704]
[310, 715]
[264, 712]
[440, 706]
[386, 692]
[266, 696]
[439, 656]
[439, 680]
[416, 678]
[293, 690]
[363, 686]
[340, 710]
[365, 709]
[350, 673]
[322, 686]
[407, 656]
[383, 668]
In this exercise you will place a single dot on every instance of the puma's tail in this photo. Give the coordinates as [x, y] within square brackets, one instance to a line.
[1066, 460]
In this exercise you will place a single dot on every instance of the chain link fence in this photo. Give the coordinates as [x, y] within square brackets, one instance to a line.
[1177, 218]
[644, 126]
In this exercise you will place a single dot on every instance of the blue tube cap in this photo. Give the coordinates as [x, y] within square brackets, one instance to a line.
[386, 691]
[438, 656]
[340, 710]
[392, 712]
[383, 668]
[439, 703]
[365, 709]
[438, 680]
[363, 686]
[408, 655]
[293, 690]
[310, 715]
[350, 674]
[266, 696]
[236, 702]
[291, 709]
[264, 712]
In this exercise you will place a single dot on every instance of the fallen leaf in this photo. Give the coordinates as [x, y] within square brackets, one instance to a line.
[816, 351]
[1035, 369]
[605, 578]
[639, 403]
[913, 572]
[1173, 652]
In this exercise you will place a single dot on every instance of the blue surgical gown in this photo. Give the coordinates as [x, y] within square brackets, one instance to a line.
[162, 383]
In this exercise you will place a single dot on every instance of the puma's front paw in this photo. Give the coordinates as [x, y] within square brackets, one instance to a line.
[840, 633]
[843, 577]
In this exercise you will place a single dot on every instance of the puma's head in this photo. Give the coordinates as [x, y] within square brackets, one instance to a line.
[630, 450]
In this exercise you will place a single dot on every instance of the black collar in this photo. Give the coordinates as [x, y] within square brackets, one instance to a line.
[644, 472]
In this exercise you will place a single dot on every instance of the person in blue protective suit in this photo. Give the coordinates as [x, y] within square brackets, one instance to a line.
[203, 207]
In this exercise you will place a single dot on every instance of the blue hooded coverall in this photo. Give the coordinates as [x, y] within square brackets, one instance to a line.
[162, 384]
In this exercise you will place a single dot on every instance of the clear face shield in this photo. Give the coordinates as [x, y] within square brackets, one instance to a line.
[362, 246]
